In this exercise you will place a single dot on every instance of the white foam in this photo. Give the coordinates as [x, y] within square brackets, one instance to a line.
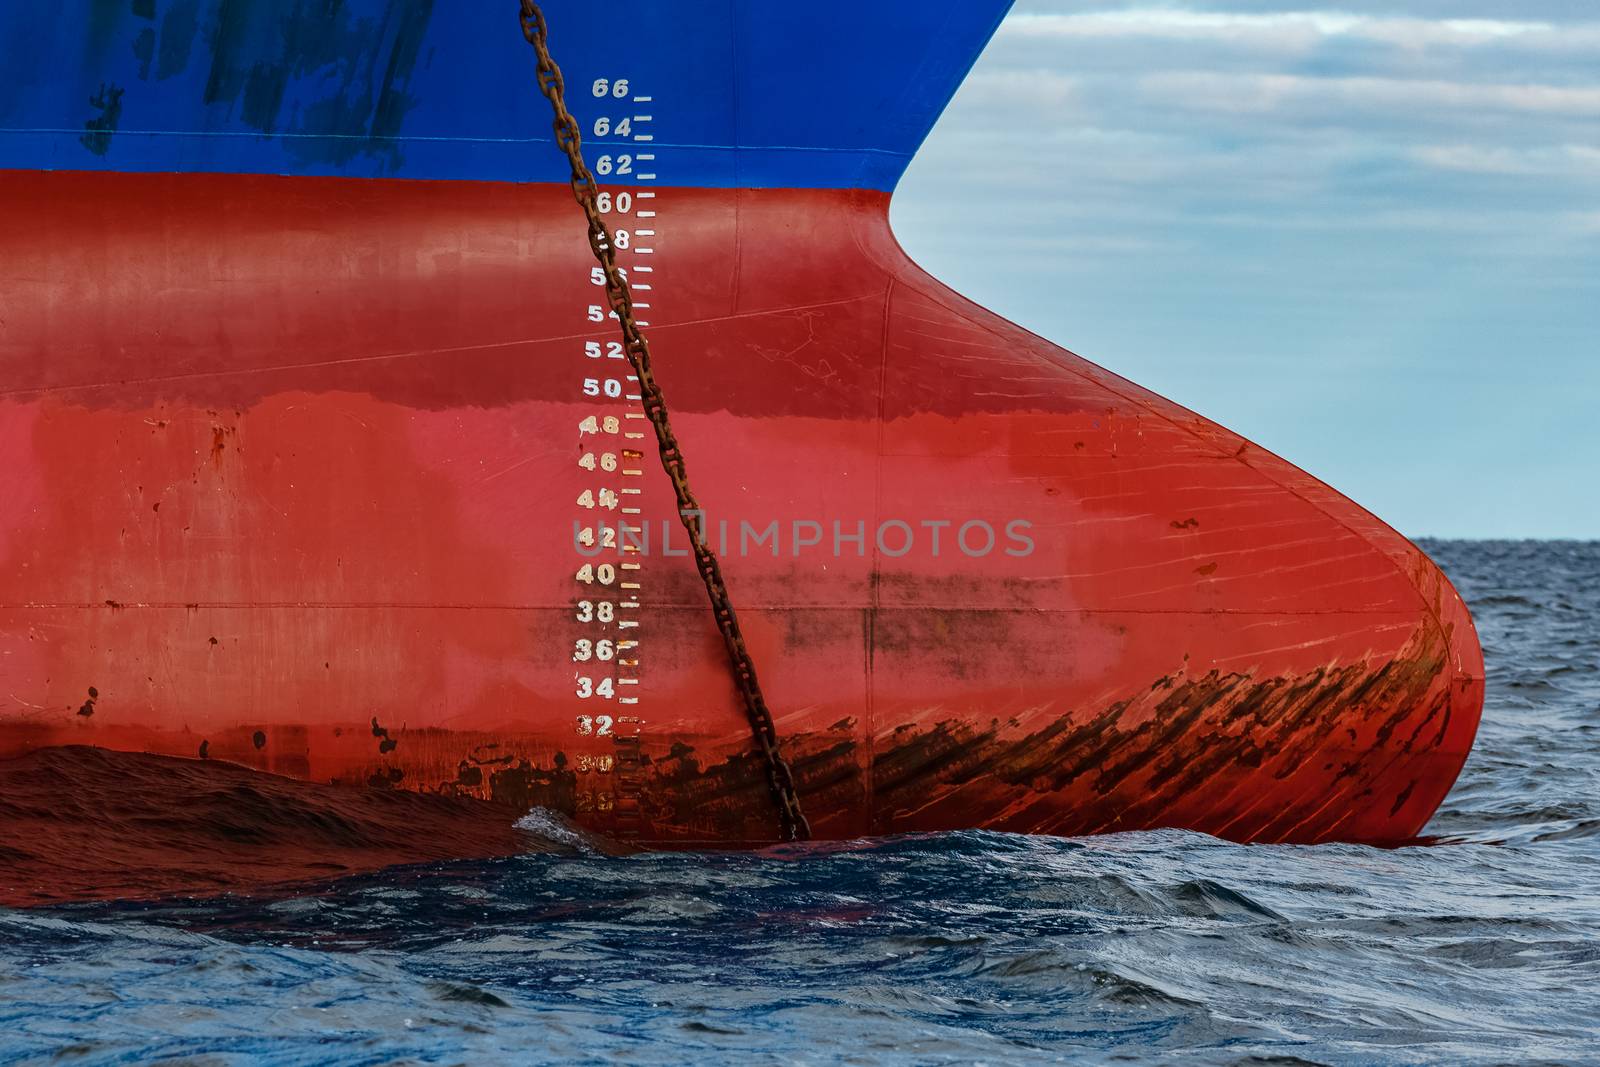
[555, 828]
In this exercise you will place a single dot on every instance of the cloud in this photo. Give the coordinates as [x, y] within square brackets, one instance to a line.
[1260, 93]
[1037, 87]
[1300, 30]
[1562, 161]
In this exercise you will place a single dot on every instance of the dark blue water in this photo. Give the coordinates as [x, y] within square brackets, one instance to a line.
[963, 948]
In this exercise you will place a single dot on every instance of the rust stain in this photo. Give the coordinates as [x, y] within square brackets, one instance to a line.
[1405, 795]
[1249, 758]
[219, 441]
[1130, 765]
[1287, 757]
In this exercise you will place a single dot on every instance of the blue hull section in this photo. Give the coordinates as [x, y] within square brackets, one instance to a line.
[735, 93]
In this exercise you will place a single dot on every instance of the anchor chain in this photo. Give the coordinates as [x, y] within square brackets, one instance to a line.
[780, 778]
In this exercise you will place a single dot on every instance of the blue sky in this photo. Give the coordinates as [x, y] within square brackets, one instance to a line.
[1365, 236]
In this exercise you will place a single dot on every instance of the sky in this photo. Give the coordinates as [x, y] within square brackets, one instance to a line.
[1364, 235]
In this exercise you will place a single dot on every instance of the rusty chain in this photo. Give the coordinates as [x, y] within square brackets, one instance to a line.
[792, 821]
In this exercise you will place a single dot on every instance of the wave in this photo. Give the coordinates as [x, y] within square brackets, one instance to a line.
[80, 823]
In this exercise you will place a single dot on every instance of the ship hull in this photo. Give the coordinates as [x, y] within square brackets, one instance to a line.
[297, 480]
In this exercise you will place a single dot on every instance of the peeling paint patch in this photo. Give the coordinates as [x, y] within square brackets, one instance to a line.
[264, 55]
[386, 744]
[99, 128]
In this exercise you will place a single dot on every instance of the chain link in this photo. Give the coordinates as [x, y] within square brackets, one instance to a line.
[791, 820]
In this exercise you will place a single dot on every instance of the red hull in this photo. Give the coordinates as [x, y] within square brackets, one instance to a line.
[291, 474]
